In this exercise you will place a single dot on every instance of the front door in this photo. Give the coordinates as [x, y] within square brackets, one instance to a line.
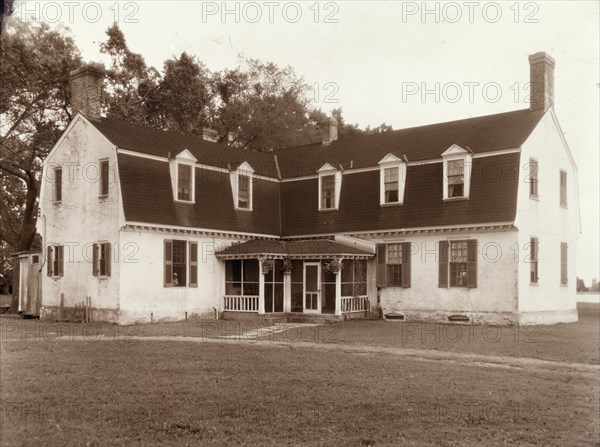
[312, 292]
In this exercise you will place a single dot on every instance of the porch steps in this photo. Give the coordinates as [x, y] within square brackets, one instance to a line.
[291, 317]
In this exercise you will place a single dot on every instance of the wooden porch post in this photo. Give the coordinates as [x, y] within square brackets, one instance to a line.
[261, 289]
[287, 291]
[338, 291]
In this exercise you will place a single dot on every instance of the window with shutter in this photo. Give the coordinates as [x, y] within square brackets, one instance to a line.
[394, 265]
[49, 261]
[95, 260]
[193, 264]
[406, 262]
[533, 260]
[104, 261]
[60, 262]
[533, 178]
[443, 264]
[472, 264]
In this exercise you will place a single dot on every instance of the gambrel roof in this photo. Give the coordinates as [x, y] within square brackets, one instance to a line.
[286, 181]
[481, 134]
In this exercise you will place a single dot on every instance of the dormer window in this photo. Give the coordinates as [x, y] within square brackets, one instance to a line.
[327, 192]
[392, 179]
[244, 192]
[456, 178]
[184, 182]
[183, 176]
[242, 186]
[330, 184]
[457, 173]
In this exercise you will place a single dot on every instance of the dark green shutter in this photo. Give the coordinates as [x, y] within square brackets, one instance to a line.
[107, 258]
[472, 264]
[381, 266]
[193, 264]
[443, 264]
[95, 260]
[406, 255]
[61, 260]
[49, 261]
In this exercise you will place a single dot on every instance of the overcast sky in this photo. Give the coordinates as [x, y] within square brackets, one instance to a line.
[375, 59]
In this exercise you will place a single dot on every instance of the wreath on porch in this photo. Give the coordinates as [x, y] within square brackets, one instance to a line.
[333, 266]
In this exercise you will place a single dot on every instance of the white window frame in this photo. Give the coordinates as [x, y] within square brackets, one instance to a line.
[456, 153]
[324, 171]
[387, 162]
[242, 170]
[184, 157]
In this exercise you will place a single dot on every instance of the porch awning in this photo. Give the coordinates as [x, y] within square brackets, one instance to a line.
[300, 249]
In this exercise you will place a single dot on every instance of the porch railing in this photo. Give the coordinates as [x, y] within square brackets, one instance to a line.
[238, 303]
[354, 304]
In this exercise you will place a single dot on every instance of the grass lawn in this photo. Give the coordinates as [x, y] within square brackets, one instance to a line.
[144, 392]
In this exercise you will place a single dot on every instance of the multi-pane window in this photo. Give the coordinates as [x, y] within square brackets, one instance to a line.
[390, 182]
[563, 188]
[178, 263]
[564, 275]
[58, 185]
[533, 177]
[458, 263]
[242, 277]
[101, 259]
[328, 192]
[55, 260]
[533, 260]
[184, 182]
[394, 265]
[456, 178]
[104, 174]
[244, 200]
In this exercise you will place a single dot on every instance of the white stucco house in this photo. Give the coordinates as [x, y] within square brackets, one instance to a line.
[471, 220]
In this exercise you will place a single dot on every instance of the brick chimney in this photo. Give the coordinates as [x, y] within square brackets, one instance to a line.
[541, 75]
[329, 130]
[209, 134]
[86, 91]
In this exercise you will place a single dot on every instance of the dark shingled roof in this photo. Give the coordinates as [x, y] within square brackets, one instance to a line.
[290, 208]
[159, 143]
[291, 249]
[481, 134]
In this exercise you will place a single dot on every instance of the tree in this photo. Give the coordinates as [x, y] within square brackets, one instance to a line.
[129, 81]
[261, 106]
[181, 102]
[34, 109]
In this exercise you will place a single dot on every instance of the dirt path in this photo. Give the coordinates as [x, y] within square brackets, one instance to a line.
[427, 355]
